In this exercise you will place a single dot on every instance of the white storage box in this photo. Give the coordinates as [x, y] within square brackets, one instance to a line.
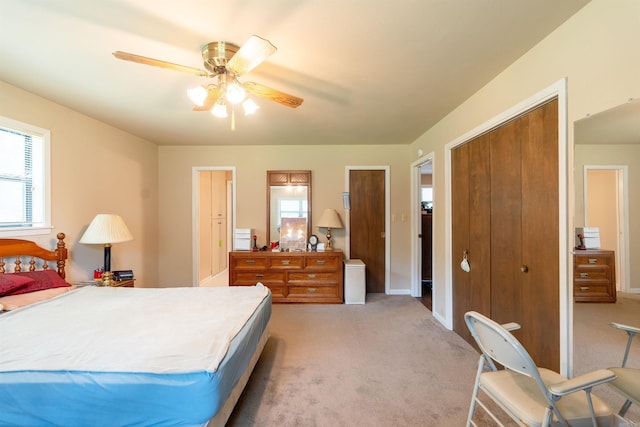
[591, 239]
[243, 239]
[355, 287]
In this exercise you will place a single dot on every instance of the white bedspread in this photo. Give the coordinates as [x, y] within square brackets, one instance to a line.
[127, 329]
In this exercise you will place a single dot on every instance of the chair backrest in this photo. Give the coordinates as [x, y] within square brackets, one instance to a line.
[500, 345]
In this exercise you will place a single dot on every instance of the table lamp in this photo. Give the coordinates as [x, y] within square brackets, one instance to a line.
[329, 219]
[106, 229]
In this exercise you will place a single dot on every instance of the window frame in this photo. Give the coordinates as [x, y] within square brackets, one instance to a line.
[45, 135]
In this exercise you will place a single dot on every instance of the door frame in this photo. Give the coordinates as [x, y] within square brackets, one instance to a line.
[387, 224]
[195, 205]
[416, 226]
[565, 213]
[623, 273]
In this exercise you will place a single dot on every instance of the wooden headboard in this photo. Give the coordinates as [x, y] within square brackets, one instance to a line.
[16, 249]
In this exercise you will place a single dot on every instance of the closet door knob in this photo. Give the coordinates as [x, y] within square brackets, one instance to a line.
[524, 269]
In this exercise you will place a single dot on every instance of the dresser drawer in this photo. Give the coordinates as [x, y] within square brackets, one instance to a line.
[286, 263]
[248, 263]
[324, 263]
[313, 291]
[594, 260]
[594, 292]
[277, 291]
[252, 277]
[592, 274]
[297, 278]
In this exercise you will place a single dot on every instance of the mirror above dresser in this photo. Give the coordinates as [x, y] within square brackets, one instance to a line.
[289, 208]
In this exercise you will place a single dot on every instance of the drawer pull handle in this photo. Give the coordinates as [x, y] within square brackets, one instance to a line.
[584, 288]
[311, 290]
[593, 260]
[285, 262]
[320, 262]
[259, 276]
[311, 276]
[584, 275]
[250, 261]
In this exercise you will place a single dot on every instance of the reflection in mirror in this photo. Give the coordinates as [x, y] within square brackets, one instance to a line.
[288, 197]
[606, 149]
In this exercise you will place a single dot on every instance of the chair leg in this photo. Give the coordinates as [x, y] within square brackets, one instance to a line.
[590, 402]
[625, 408]
[476, 388]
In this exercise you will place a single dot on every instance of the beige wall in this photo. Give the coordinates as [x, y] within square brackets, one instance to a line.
[95, 168]
[594, 50]
[327, 165]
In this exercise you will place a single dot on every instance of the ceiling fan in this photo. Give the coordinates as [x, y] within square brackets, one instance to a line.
[227, 62]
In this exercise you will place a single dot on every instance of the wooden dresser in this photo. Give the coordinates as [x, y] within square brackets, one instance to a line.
[594, 276]
[313, 277]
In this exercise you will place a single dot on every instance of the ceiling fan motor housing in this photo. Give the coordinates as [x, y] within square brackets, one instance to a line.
[216, 55]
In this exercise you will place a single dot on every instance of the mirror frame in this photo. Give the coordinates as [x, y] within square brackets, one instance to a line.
[283, 178]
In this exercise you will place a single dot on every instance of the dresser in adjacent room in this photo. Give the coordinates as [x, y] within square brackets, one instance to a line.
[292, 277]
[594, 276]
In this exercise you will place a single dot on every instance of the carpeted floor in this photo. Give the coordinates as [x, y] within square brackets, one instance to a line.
[386, 363]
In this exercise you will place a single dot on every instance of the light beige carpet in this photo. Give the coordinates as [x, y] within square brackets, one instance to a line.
[389, 363]
[385, 363]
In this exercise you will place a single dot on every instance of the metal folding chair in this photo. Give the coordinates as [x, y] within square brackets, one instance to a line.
[530, 395]
[627, 381]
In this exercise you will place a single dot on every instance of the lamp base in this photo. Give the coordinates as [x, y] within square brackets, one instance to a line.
[107, 278]
[328, 247]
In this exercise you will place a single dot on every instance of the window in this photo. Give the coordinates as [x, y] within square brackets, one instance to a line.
[24, 179]
[293, 208]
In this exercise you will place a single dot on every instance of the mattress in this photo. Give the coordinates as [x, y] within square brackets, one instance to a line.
[128, 356]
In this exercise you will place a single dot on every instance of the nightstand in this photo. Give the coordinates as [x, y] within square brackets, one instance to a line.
[123, 283]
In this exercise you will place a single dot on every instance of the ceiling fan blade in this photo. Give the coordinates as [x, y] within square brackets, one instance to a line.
[162, 64]
[250, 55]
[213, 93]
[272, 94]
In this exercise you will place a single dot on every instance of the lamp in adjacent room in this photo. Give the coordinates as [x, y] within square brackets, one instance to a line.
[329, 219]
[106, 229]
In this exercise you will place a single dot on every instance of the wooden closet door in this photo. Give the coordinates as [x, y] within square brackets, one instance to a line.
[540, 227]
[525, 231]
[506, 221]
[505, 214]
[471, 192]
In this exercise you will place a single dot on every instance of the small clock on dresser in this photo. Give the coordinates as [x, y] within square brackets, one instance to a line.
[313, 242]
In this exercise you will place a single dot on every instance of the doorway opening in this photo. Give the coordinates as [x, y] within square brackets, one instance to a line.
[422, 241]
[213, 221]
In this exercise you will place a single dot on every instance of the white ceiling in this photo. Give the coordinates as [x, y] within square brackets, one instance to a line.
[370, 71]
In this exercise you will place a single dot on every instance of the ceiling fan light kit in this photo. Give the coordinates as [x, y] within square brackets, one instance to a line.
[227, 62]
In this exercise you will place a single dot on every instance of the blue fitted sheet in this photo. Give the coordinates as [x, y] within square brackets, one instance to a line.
[67, 397]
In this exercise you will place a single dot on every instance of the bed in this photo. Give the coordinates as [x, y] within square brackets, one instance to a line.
[124, 356]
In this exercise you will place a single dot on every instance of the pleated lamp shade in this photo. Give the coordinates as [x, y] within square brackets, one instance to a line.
[106, 228]
[329, 219]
